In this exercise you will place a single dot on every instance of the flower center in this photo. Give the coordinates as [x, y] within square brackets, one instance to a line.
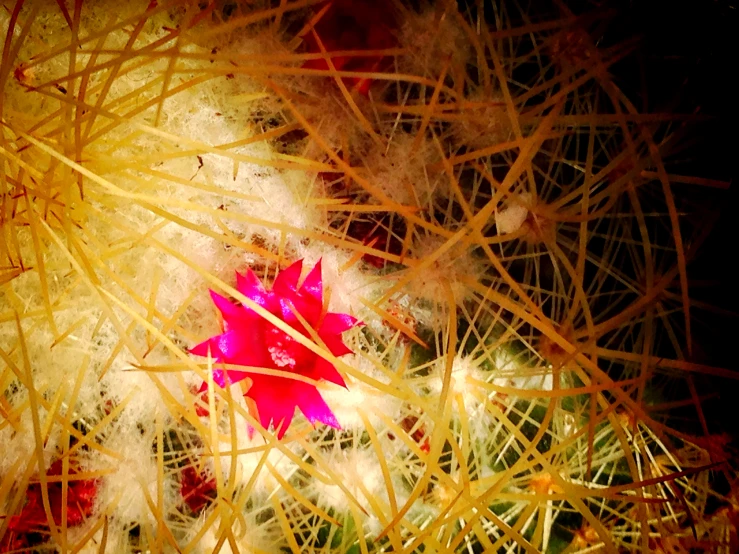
[284, 350]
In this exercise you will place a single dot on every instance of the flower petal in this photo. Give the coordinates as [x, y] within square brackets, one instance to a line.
[336, 323]
[313, 284]
[232, 346]
[306, 307]
[228, 377]
[312, 404]
[336, 345]
[287, 280]
[323, 369]
[224, 378]
[250, 286]
[225, 306]
[275, 400]
[235, 347]
[204, 347]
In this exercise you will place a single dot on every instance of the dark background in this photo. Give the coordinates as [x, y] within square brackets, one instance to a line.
[689, 53]
[686, 62]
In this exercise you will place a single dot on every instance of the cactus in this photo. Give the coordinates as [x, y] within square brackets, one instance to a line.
[513, 231]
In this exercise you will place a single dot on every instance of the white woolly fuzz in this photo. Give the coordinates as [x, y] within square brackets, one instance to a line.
[256, 538]
[361, 399]
[483, 121]
[116, 538]
[433, 38]
[247, 464]
[143, 396]
[18, 443]
[509, 219]
[361, 474]
[345, 286]
[509, 373]
[463, 383]
[135, 476]
[402, 172]
[520, 214]
[451, 269]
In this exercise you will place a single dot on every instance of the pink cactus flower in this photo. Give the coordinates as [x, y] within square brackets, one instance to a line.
[250, 340]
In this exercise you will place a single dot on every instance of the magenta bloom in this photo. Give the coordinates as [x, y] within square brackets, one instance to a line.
[248, 339]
